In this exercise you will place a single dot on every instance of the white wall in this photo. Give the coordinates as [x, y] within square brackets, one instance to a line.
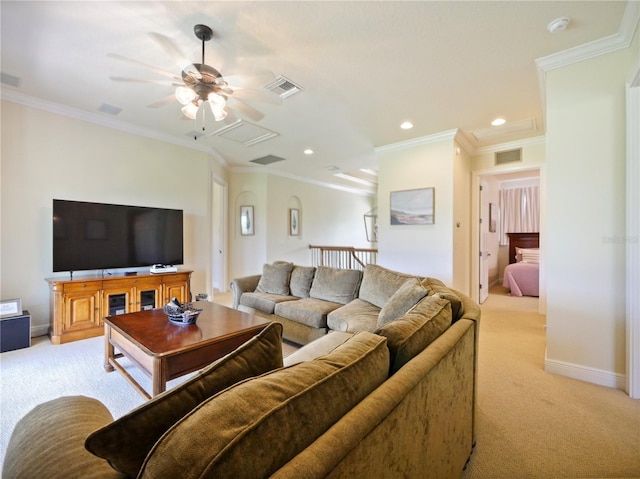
[585, 180]
[425, 250]
[461, 220]
[328, 217]
[46, 156]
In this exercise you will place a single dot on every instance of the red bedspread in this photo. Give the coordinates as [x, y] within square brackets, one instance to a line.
[522, 279]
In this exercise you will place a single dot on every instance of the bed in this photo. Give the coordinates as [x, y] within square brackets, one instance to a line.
[522, 274]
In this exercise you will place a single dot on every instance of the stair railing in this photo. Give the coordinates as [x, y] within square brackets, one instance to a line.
[344, 257]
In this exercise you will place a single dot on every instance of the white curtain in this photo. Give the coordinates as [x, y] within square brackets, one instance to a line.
[520, 211]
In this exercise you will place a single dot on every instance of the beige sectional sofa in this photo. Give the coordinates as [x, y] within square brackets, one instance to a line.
[397, 403]
[310, 301]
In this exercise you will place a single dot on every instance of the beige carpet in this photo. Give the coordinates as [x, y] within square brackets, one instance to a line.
[532, 424]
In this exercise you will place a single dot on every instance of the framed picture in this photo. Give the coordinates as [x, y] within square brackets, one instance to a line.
[413, 207]
[294, 221]
[493, 217]
[10, 308]
[246, 221]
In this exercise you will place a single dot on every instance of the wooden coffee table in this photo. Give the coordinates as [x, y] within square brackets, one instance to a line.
[165, 351]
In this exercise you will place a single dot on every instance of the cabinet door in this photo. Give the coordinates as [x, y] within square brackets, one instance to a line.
[81, 310]
[117, 301]
[175, 290]
[148, 297]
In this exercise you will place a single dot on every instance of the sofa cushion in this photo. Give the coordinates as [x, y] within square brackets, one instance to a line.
[335, 285]
[263, 301]
[126, 442]
[276, 415]
[402, 301]
[436, 286]
[275, 278]
[318, 347]
[301, 279]
[309, 311]
[379, 284]
[358, 315]
[414, 331]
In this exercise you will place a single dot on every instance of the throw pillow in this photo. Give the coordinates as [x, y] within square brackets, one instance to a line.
[528, 255]
[436, 286]
[301, 279]
[335, 285]
[402, 301]
[257, 426]
[126, 442]
[275, 278]
[409, 335]
[379, 284]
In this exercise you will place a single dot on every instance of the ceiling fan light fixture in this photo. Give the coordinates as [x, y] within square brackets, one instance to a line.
[190, 111]
[219, 114]
[185, 95]
[216, 100]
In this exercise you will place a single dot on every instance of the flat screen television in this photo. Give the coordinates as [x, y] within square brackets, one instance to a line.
[94, 236]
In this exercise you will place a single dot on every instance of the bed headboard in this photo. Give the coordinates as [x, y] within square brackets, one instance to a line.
[522, 240]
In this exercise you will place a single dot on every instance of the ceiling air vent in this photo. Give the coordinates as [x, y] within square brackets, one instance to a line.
[283, 87]
[267, 160]
[509, 156]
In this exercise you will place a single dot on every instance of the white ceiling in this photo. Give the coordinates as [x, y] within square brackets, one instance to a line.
[364, 67]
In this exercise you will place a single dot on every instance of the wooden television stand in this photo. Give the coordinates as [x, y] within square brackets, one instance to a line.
[79, 305]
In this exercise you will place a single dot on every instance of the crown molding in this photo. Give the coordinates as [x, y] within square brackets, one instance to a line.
[465, 143]
[423, 140]
[325, 184]
[56, 108]
[612, 43]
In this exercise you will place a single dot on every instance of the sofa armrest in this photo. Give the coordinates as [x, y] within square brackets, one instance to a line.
[49, 441]
[243, 285]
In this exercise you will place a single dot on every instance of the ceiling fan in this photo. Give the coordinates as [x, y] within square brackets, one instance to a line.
[200, 84]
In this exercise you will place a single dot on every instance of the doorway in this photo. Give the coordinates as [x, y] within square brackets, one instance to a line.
[218, 236]
[492, 257]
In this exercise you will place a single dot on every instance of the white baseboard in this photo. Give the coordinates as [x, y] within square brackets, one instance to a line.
[41, 330]
[584, 373]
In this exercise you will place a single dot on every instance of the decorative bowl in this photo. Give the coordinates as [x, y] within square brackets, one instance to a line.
[182, 316]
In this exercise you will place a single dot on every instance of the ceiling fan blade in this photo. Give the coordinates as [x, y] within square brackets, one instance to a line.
[245, 109]
[252, 94]
[157, 70]
[162, 101]
[154, 82]
[175, 53]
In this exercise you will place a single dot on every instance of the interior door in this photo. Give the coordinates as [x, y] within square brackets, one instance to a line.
[484, 232]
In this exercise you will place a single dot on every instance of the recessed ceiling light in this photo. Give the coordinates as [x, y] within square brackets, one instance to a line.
[308, 151]
[498, 122]
[558, 25]
[407, 125]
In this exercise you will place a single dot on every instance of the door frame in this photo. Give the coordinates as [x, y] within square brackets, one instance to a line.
[219, 274]
[633, 234]
[483, 227]
[476, 179]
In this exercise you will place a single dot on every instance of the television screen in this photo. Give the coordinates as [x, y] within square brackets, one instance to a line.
[90, 236]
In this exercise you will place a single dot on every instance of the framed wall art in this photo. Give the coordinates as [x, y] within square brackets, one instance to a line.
[294, 221]
[246, 221]
[413, 207]
[10, 308]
